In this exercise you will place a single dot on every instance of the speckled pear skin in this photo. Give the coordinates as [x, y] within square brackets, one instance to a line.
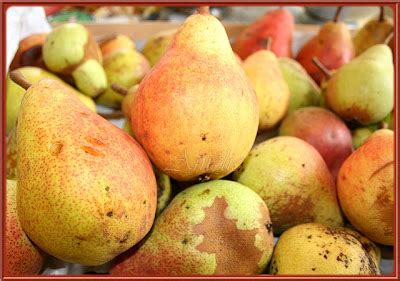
[11, 160]
[293, 180]
[15, 93]
[366, 187]
[218, 227]
[21, 256]
[125, 68]
[86, 189]
[303, 90]
[314, 248]
[262, 69]
[199, 96]
[363, 89]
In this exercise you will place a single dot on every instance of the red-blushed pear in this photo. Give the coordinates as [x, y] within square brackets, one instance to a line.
[333, 46]
[196, 113]
[322, 129]
[29, 52]
[86, 189]
[366, 187]
[278, 25]
[21, 256]
[218, 227]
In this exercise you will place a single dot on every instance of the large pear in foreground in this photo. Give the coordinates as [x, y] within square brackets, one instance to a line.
[195, 112]
[86, 189]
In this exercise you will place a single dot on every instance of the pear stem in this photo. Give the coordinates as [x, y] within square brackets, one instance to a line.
[388, 38]
[20, 79]
[112, 115]
[267, 43]
[119, 89]
[381, 14]
[203, 10]
[322, 67]
[337, 14]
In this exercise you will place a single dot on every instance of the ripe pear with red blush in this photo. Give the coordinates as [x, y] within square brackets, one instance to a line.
[333, 46]
[322, 129]
[199, 96]
[278, 25]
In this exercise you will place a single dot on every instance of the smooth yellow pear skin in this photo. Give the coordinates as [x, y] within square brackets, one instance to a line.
[363, 89]
[369, 174]
[156, 45]
[218, 227]
[303, 90]
[198, 96]
[15, 93]
[314, 248]
[86, 189]
[294, 181]
[262, 69]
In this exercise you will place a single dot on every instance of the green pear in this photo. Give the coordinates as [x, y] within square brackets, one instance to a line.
[303, 90]
[156, 45]
[217, 227]
[125, 68]
[200, 98]
[314, 248]
[86, 190]
[70, 49]
[294, 181]
[21, 257]
[15, 92]
[360, 135]
[262, 69]
[363, 89]
[163, 190]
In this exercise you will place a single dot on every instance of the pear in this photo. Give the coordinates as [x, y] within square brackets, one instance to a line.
[360, 135]
[157, 44]
[333, 46]
[126, 68]
[262, 69]
[373, 32]
[86, 189]
[115, 44]
[369, 173]
[363, 90]
[163, 190]
[199, 96]
[322, 129]
[128, 128]
[15, 92]
[128, 101]
[29, 52]
[11, 160]
[314, 248]
[303, 90]
[293, 180]
[218, 227]
[21, 257]
[70, 50]
[277, 24]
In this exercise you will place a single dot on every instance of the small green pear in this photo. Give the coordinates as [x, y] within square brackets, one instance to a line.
[70, 49]
[21, 257]
[360, 135]
[157, 44]
[363, 89]
[294, 181]
[15, 92]
[163, 190]
[217, 227]
[314, 248]
[303, 90]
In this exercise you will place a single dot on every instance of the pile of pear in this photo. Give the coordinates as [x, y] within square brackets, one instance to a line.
[224, 148]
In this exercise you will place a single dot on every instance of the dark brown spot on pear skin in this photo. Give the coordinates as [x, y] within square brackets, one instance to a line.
[242, 256]
[92, 151]
[55, 148]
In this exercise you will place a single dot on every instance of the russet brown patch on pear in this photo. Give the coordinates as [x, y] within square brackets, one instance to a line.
[242, 255]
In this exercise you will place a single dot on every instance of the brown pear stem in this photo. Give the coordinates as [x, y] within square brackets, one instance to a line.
[388, 38]
[322, 67]
[112, 115]
[337, 14]
[20, 79]
[381, 14]
[267, 43]
[119, 89]
[203, 10]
